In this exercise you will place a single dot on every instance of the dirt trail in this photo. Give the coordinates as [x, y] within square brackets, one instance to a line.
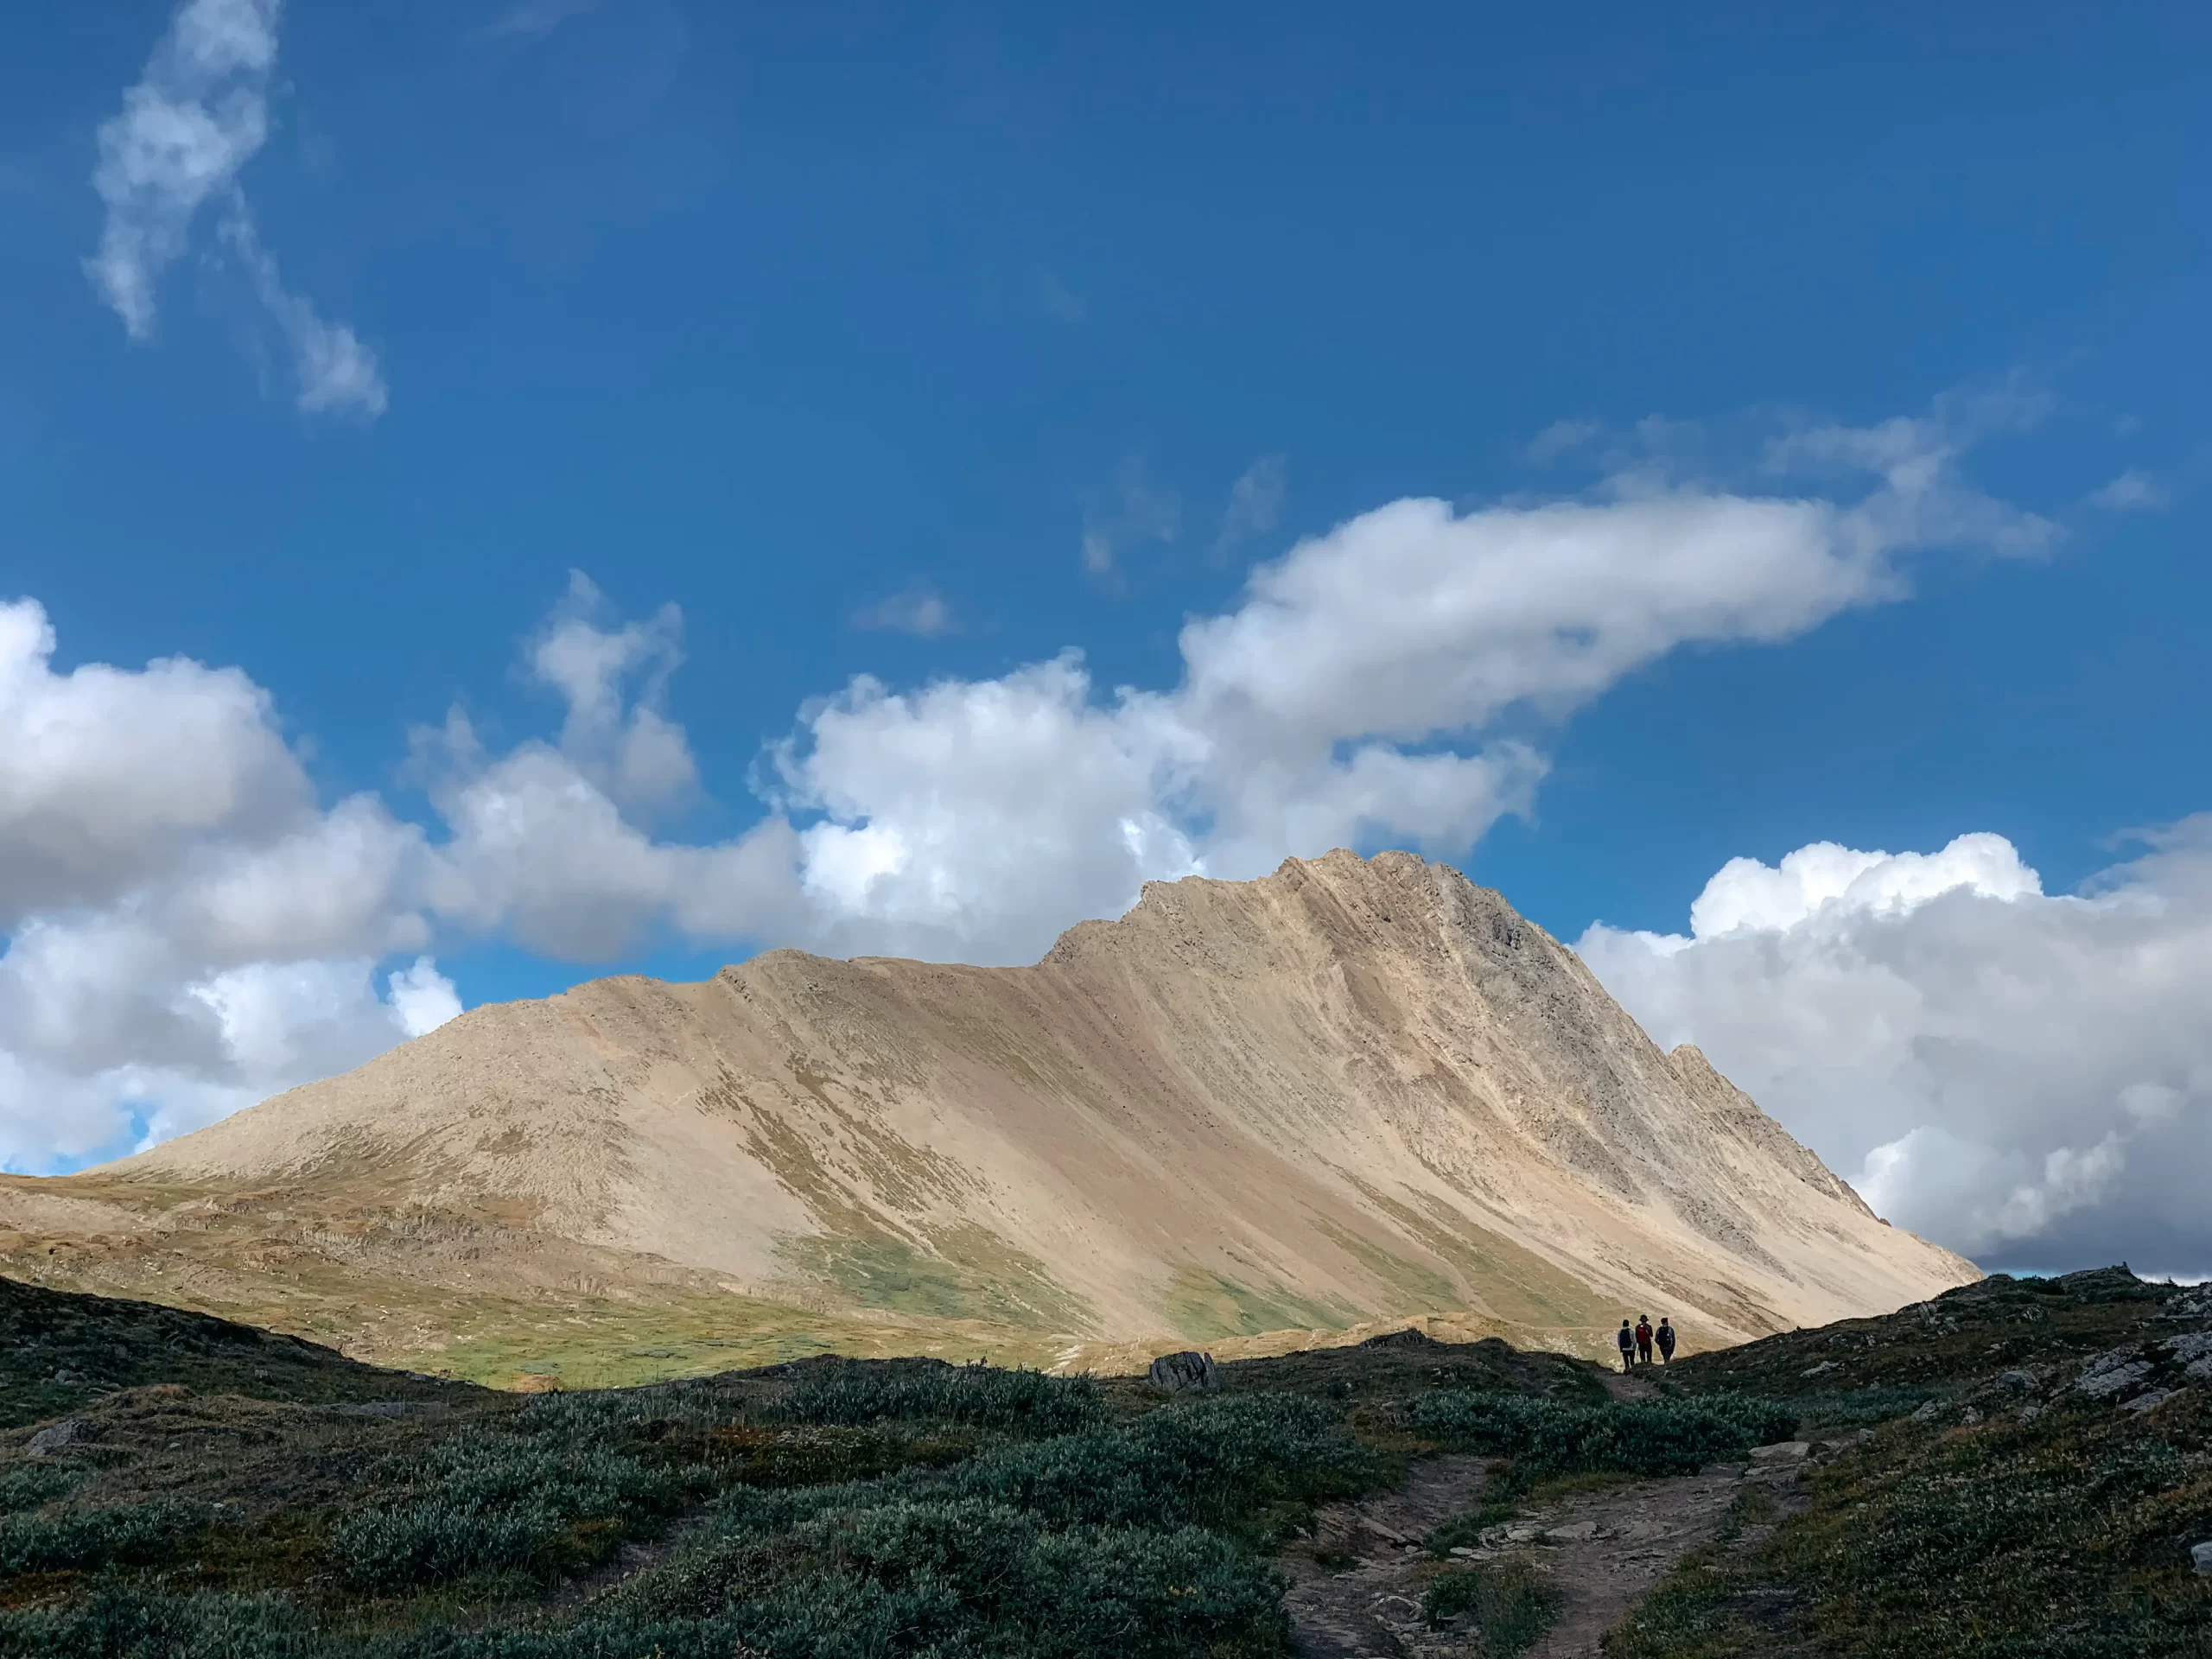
[1605, 1551]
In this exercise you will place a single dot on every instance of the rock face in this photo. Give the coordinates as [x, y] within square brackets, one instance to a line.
[1349, 1093]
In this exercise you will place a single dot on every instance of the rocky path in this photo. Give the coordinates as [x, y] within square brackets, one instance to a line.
[1355, 1589]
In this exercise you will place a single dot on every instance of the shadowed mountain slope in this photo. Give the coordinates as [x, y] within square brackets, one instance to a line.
[1349, 1093]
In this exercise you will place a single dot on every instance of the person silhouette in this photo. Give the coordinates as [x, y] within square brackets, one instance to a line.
[1665, 1338]
[1627, 1340]
[1643, 1339]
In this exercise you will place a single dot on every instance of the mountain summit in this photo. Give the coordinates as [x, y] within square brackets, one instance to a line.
[1352, 1092]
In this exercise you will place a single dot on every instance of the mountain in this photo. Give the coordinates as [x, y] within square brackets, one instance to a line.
[1349, 1092]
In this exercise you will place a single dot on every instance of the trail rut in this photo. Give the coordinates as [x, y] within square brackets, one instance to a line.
[1356, 1586]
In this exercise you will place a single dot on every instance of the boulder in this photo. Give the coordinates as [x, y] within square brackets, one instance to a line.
[54, 1436]
[1188, 1372]
[2200, 1557]
[1783, 1451]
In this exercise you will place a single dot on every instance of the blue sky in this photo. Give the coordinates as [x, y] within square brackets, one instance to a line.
[1032, 332]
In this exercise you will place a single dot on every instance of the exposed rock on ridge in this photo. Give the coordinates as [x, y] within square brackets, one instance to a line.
[1350, 1091]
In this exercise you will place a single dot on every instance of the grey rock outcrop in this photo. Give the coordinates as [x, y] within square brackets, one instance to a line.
[1187, 1372]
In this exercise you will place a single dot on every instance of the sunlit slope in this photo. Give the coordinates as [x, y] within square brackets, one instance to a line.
[1350, 1091]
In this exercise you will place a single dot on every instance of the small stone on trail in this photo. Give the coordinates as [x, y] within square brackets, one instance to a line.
[1782, 1451]
[1574, 1532]
[1184, 1373]
[1821, 1370]
[2018, 1382]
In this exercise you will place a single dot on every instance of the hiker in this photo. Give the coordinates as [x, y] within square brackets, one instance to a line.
[1665, 1338]
[1643, 1339]
[1628, 1346]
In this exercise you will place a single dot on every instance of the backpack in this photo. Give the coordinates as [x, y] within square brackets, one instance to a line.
[1666, 1338]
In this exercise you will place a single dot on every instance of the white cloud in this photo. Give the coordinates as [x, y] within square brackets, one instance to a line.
[1559, 438]
[918, 609]
[2024, 1077]
[422, 998]
[624, 743]
[1384, 681]
[533, 19]
[1137, 510]
[191, 927]
[197, 115]
[2132, 491]
[1255, 503]
[336, 371]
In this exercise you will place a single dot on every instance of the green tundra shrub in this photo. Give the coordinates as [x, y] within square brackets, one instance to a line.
[1545, 1438]
[27, 1486]
[844, 1393]
[50, 1540]
[1210, 1463]
[498, 1503]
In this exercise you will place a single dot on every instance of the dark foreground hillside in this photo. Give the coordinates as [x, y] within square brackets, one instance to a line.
[2015, 1468]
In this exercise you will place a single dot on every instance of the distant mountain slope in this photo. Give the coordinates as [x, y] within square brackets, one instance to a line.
[1351, 1091]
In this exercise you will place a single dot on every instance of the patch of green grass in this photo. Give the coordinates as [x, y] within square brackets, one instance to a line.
[1204, 1305]
[1506, 1606]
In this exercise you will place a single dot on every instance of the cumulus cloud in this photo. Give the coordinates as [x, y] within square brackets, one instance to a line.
[2026, 1077]
[185, 937]
[1387, 681]
[196, 116]
[188, 928]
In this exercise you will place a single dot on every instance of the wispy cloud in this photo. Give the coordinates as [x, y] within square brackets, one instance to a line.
[1060, 302]
[1558, 439]
[2132, 491]
[1255, 503]
[197, 115]
[529, 19]
[918, 609]
[1137, 510]
[335, 369]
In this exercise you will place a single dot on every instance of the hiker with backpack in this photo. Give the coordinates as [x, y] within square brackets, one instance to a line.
[1643, 1339]
[1665, 1338]
[1628, 1346]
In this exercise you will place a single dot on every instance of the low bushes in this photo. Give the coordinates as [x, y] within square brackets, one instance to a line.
[1213, 1464]
[851, 1394]
[1544, 1437]
[496, 1503]
[50, 1540]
